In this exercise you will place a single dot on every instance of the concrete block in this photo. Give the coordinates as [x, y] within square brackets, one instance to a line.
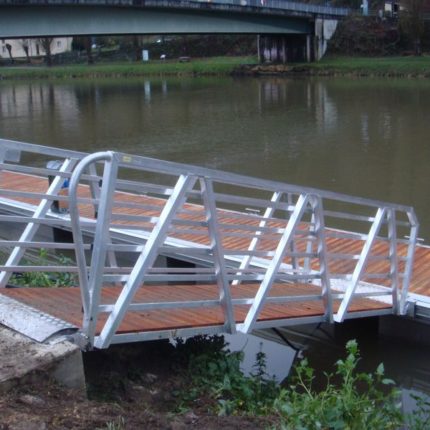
[24, 360]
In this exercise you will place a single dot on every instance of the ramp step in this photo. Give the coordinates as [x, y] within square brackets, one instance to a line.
[30, 322]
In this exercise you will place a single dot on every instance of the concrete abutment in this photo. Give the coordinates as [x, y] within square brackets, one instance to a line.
[293, 48]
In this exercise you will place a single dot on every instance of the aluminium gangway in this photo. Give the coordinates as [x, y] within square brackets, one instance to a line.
[263, 253]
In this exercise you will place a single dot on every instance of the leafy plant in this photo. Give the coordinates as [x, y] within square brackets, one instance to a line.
[45, 279]
[420, 418]
[359, 401]
[216, 374]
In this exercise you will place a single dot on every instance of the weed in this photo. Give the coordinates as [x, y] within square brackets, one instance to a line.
[359, 401]
[216, 374]
[45, 279]
[420, 419]
[118, 424]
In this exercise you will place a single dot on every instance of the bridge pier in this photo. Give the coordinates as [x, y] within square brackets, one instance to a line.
[276, 48]
[292, 48]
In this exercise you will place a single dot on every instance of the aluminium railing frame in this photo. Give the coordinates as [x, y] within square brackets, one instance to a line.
[293, 219]
[305, 201]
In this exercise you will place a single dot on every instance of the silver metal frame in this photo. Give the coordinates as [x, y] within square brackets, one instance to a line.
[236, 229]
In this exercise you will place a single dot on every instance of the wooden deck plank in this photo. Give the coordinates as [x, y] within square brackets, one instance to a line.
[65, 303]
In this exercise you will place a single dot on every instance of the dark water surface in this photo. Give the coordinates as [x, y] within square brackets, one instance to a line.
[365, 137]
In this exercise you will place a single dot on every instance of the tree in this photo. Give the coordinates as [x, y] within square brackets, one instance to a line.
[9, 50]
[46, 43]
[89, 49]
[412, 22]
[26, 46]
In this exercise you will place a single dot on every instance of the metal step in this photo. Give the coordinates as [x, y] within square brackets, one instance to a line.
[32, 323]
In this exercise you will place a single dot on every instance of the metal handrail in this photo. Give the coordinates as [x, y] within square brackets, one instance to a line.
[286, 225]
[236, 229]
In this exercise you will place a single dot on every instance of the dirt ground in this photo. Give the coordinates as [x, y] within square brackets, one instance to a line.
[127, 388]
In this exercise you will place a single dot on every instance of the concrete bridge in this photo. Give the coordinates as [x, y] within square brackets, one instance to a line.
[288, 30]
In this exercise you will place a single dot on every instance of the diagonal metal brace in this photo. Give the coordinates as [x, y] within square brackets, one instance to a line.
[145, 260]
[361, 265]
[274, 265]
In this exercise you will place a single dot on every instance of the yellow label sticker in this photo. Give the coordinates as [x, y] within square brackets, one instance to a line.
[126, 159]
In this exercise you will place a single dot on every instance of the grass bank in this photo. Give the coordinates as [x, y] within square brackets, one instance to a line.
[408, 67]
[402, 67]
[193, 67]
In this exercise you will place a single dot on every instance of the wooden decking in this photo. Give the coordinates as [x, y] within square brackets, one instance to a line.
[65, 304]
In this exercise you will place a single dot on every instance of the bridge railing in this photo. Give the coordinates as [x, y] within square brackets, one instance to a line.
[140, 224]
[33, 202]
[260, 242]
[263, 5]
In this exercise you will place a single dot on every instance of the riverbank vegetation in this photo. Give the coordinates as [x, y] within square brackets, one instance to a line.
[212, 66]
[199, 384]
[397, 67]
[405, 67]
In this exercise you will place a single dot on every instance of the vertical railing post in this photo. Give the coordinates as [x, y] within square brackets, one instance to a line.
[318, 216]
[274, 265]
[309, 245]
[76, 225]
[95, 195]
[101, 241]
[293, 247]
[392, 255]
[361, 265]
[217, 249]
[413, 236]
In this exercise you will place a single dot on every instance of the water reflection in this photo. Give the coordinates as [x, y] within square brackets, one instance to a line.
[361, 137]
[279, 357]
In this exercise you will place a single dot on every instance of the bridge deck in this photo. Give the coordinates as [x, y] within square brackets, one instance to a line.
[65, 304]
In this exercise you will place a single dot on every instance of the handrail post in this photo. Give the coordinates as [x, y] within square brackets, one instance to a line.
[101, 240]
[392, 255]
[319, 227]
[413, 236]
[217, 248]
[76, 226]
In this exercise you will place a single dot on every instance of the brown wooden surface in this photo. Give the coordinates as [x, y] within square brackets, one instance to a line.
[65, 303]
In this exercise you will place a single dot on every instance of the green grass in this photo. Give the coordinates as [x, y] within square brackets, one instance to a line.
[207, 66]
[222, 66]
[379, 66]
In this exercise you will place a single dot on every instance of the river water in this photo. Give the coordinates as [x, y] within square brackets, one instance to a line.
[365, 137]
